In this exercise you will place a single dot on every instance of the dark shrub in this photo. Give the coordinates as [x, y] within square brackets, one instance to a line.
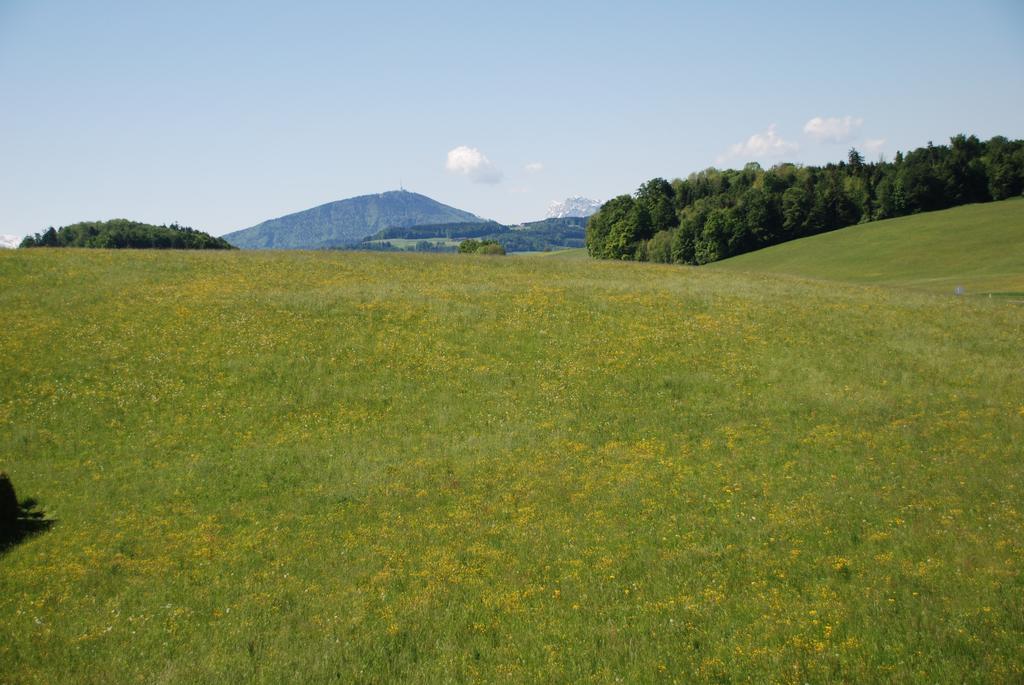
[9, 509]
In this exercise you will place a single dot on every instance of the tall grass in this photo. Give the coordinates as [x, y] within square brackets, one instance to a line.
[423, 468]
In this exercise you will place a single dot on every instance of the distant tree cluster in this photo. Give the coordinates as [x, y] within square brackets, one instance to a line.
[716, 214]
[450, 230]
[547, 234]
[122, 233]
[473, 246]
[535, 236]
[388, 246]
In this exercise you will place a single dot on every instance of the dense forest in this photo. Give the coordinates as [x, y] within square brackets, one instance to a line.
[122, 233]
[714, 214]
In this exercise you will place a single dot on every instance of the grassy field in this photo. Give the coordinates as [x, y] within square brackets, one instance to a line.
[573, 253]
[978, 247]
[559, 252]
[346, 467]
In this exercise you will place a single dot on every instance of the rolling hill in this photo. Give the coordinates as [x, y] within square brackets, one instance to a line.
[979, 247]
[344, 222]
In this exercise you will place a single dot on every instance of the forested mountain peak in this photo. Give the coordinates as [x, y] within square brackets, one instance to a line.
[345, 222]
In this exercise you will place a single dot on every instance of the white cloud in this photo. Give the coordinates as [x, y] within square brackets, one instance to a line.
[9, 241]
[534, 167]
[764, 145]
[833, 129]
[874, 145]
[469, 161]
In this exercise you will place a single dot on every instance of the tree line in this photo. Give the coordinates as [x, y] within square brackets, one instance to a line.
[473, 229]
[122, 233]
[715, 214]
[535, 236]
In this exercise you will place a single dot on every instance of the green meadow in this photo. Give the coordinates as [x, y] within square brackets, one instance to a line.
[977, 247]
[325, 467]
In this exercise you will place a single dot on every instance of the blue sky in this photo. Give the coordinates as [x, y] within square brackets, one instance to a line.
[220, 115]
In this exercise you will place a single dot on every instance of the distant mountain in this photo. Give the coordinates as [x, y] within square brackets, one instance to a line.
[9, 241]
[573, 206]
[346, 222]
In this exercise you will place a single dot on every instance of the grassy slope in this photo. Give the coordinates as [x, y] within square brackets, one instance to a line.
[980, 247]
[425, 468]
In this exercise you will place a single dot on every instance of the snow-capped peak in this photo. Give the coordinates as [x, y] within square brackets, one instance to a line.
[573, 206]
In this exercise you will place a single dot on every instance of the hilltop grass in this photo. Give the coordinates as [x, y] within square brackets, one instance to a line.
[344, 467]
[979, 247]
